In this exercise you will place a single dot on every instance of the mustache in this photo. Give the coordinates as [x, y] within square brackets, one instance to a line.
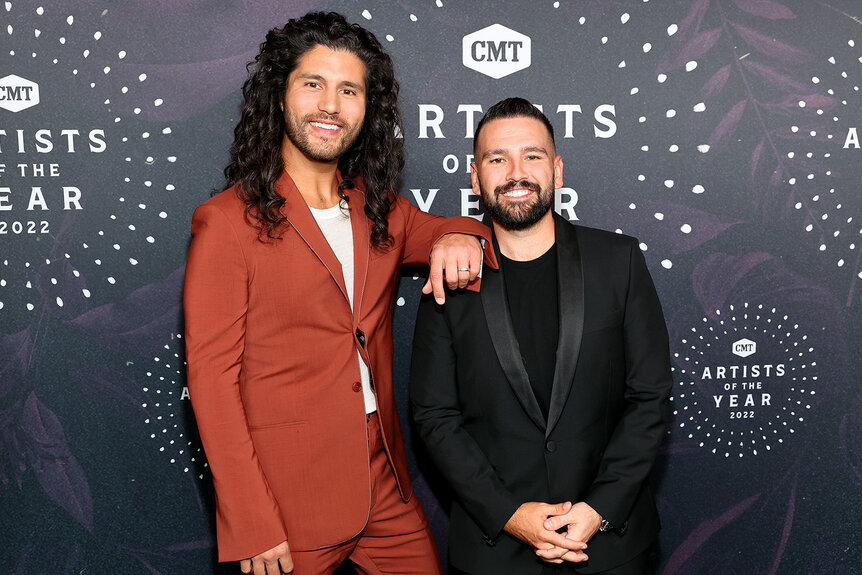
[512, 184]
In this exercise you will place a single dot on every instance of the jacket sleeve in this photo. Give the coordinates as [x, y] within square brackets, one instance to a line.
[635, 440]
[215, 301]
[423, 230]
[439, 421]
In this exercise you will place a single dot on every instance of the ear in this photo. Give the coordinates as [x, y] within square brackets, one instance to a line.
[558, 172]
[474, 179]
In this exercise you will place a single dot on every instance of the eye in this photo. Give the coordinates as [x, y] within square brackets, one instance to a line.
[311, 84]
[534, 157]
[495, 161]
[349, 91]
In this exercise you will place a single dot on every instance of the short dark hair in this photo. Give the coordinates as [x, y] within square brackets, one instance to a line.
[512, 108]
[377, 154]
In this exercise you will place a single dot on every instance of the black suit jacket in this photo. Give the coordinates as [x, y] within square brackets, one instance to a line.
[477, 414]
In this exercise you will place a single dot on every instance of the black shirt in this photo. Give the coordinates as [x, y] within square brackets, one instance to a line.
[532, 295]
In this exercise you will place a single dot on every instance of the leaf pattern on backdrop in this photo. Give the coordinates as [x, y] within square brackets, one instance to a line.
[776, 100]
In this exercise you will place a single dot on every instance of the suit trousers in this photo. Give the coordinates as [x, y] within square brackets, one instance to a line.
[396, 539]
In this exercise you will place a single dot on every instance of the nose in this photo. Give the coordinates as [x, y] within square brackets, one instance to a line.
[328, 101]
[516, 170]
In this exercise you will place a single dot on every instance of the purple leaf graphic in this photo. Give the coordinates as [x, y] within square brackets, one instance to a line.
[15, 351]
[58, 472]
[791, 102]
[141, 321]
[700, 226]
[691, 23]
[715, 83]
[765, 9]
[755, 156]
[687, 30]
[700, 45]
[725, 129]
[712, 293]
[774, 77]
[770, 46]
[788, 526]
[803, 133]
[850, 435]
[703, 532]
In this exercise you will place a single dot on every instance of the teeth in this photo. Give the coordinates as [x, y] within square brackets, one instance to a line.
[325, 126]
[517, 193]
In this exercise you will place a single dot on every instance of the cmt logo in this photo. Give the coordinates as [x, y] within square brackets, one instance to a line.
[496, 51]
[744, 348]
[17, 93]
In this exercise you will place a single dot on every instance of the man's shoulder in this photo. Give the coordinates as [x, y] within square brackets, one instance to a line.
[227, 203]
[596, 237]
[227, 200]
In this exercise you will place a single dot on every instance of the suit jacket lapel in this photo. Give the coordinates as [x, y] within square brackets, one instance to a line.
[361, 246]
[571, 298]
[299, 217]
[496, 307]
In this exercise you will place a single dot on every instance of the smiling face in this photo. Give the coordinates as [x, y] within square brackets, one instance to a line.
[324, 105]
[516, 171]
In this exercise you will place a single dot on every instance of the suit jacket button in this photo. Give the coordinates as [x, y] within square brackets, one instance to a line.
[551, 446]
[357, 386]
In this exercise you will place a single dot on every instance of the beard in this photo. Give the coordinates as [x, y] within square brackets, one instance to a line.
[520, 215]
[327, 149]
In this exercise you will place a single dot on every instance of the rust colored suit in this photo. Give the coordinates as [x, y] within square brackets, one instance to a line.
[272, 369]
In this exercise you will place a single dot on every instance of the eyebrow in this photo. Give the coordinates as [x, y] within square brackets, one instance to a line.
[319, 78]
[502, 152]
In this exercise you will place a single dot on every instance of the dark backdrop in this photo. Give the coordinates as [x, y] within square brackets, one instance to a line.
[722, 133]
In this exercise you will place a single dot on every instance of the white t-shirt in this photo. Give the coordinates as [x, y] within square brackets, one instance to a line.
[334, 222]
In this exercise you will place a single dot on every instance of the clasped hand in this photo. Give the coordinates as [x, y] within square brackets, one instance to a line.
[537, 525]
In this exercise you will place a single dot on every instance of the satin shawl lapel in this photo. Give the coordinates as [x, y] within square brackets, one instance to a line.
[571, 298]
[299, 217]
[361, 246]
[496, 307]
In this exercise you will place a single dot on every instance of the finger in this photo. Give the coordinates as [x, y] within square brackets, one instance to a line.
[475, 262]
[245, 565]
[551, 554]
[556, 508]
[558, 517]
[452, 272]
[574, 557]
[556, 522]
[259, 567]
[559, 540]
[273, 567]
[464, 273]
[286, 564]
[435, 280]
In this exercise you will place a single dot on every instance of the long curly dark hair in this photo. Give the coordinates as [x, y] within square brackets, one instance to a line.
[377, 155]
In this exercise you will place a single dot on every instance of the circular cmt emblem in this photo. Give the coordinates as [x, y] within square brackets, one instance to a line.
[750, 380]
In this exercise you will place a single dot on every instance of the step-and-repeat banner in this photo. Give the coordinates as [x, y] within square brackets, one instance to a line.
[724, 134]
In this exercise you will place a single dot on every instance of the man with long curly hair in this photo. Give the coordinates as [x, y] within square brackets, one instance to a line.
[289, 296]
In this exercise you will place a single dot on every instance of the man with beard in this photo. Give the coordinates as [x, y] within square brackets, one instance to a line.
[289, 295]
[543, 399]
